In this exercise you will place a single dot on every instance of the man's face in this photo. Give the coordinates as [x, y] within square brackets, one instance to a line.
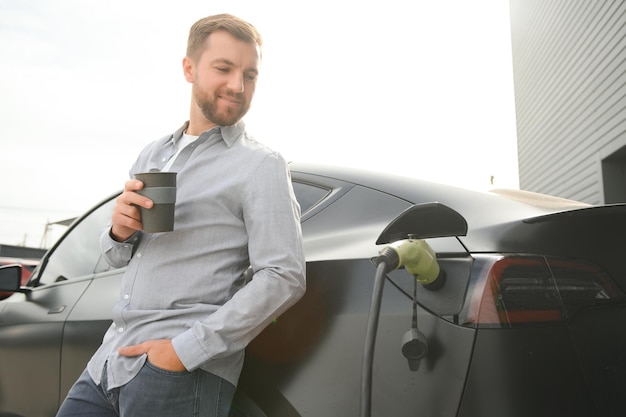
[224, 78]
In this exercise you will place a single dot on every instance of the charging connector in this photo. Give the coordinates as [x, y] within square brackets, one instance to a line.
[417, 257]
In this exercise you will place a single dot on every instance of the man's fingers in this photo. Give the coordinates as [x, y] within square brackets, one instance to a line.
[134, 350]
[130, 197]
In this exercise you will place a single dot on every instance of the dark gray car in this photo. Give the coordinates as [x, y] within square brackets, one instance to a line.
[527, 317]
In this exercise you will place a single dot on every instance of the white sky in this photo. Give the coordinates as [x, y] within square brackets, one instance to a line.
[420, 88]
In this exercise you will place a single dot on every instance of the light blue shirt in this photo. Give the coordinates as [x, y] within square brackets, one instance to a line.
[235, 208]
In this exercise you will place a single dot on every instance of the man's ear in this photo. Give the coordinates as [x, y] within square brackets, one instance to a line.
[188, 69]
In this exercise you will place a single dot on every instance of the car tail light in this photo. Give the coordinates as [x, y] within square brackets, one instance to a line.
[509, 291]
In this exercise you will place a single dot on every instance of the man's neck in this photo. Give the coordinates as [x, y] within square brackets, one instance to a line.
[197, 122]
[196, 129]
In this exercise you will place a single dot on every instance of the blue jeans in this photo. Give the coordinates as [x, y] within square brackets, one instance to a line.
[153, 392]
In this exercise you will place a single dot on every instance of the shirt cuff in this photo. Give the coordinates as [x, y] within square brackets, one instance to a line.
[118, 254]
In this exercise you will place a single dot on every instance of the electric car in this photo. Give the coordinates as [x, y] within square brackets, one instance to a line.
[525, 314]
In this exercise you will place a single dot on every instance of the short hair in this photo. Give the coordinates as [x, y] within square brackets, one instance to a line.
[234, 25]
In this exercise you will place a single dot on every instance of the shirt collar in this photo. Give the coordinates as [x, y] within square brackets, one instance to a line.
[229, 134]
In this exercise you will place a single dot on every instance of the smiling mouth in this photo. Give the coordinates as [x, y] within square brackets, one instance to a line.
[234, 101]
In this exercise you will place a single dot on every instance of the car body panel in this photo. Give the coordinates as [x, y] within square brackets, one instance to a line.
[347, 231]
[601, 341]
[540, 362]
[325, 332]
[34, 337]
[575, 370]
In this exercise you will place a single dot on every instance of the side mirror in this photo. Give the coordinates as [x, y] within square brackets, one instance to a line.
[10, 278]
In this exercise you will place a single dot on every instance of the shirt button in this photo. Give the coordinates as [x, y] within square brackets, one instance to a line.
[126, 296]
[121, 330]
[163, 159]
[139, 254]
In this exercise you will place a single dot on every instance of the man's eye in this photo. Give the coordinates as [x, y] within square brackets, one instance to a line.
[251, 76]
[222, 69]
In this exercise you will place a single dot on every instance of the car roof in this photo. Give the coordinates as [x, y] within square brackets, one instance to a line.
[505, 204]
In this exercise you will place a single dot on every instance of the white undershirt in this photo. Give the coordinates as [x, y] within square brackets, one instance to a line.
[184, 141]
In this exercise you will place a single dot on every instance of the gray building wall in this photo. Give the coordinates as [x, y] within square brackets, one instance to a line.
[569, 66]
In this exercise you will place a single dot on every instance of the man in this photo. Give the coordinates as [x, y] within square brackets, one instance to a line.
[186, 312]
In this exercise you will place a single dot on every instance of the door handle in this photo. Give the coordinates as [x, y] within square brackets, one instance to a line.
[56, 310]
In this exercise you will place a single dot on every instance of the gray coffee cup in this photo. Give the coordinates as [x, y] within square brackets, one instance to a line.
[160, 187]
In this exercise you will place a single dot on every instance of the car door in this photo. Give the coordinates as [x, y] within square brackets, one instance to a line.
[32, 323]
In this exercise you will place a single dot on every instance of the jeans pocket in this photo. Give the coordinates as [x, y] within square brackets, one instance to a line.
[162, 371]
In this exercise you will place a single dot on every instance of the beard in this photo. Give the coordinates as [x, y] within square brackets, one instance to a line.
[226, 116]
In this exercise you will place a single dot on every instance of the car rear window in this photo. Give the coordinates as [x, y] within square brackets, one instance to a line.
[308, 195]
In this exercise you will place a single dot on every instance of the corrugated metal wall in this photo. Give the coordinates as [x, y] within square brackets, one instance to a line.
[569, 64]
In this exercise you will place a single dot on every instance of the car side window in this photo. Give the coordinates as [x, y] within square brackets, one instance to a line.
[308, 195]
[78, 254]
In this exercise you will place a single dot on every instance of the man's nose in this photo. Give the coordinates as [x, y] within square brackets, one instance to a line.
[235, 82]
